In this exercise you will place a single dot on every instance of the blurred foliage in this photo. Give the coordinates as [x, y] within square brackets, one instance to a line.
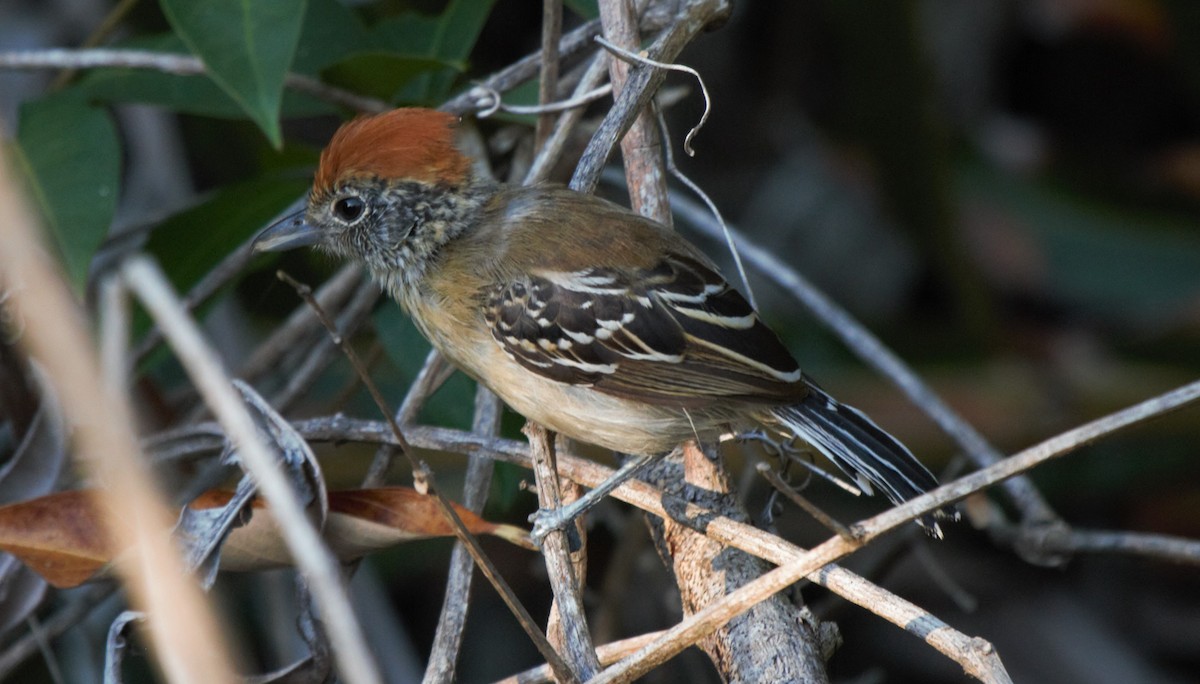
[72, 177]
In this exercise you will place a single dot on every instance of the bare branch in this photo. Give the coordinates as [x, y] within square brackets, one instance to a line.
[641, 147]
[548, 81]
[556, 550]
[302, 322]
[608, 654]
[1075, 540]
[302, 376]
[640, 87]
[795, 497]
[447, 640]
[549, 153]
[170, 63]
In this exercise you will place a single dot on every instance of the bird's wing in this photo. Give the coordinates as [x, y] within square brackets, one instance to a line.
[675, 333]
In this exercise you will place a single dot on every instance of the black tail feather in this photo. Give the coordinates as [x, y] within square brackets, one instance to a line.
[861, 448]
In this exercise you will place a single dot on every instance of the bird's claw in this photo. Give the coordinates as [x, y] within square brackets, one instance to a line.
[546, 521]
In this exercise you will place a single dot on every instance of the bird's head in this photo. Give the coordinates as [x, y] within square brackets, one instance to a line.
[389, 190]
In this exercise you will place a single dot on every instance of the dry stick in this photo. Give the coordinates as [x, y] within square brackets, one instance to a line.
[696, 626]
[302, 322]
[872, 351]
[423, 480]
[186, 641]
[795, 497]
[65, 617]
[107, 25]
[476, 98]
[641, 147]
[1165, 547]
[223, 272]
[859, 591]
[314, 560]
[323, 352]
[447, 639]
[170, 63]
[692, 558]
[608, 654]
[550, 152]
[578, 648]
[640, 86]
[579, 99]
[434, 372]
[548, 83]
[772, 641]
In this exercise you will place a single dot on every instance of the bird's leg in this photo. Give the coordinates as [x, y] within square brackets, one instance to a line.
[546, 521]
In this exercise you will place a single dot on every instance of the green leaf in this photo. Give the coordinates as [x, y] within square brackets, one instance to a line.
[447, 38]
[587, 9]
[71, 159]
[379, 74]
[197, 95]
[247, 45]
[331, 33]
[191, 242]
[186, 94]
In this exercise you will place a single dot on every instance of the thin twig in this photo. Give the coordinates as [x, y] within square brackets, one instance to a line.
[634, 58]
[548, 69]
[300, 378]
[302, 322]
[107, 25]
[575, 101]
[171, 63]
[1064, 541]
[67, 616]
[578, 648]
[226, 270]
[312, 557]
[643, 80]
[476, 98]
[423, 480]
[447, 639]
[795, 497]
[434, 373]
[549, 153]
[608, 654]
[640, 146]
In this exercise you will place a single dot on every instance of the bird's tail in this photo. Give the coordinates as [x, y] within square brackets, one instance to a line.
[862, 449]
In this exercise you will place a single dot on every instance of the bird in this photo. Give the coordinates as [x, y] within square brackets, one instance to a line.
[581, 315]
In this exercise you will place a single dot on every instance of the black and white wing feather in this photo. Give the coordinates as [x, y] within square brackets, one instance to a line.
[676, 333]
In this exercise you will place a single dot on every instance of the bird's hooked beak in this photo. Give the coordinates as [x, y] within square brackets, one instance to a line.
[289, 232]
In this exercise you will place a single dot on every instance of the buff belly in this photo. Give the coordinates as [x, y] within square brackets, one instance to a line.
[582, 413]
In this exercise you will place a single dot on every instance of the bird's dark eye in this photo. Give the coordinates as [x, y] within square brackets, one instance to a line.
[349, 209]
